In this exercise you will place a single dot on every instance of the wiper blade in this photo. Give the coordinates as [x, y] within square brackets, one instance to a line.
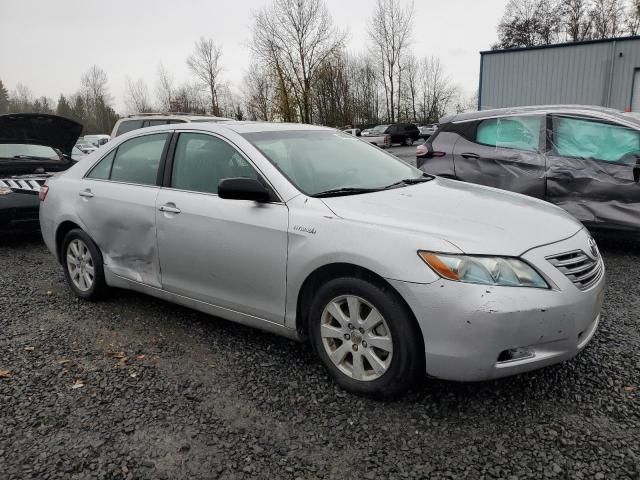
[409, 181]
[30, 157]
[336, 192]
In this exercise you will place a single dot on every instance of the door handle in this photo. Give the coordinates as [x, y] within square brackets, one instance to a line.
[470, 155]
[636, 173]
[86, 193]
[167, 208]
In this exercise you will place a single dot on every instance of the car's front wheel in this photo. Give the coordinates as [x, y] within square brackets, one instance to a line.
[408, 141]
[366, 337]
[83, 267]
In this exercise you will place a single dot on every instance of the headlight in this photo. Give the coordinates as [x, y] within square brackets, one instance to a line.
[5, 191]
[504, 271]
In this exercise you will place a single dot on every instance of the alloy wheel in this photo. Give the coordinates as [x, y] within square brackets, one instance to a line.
[80, 265]
[356, 337]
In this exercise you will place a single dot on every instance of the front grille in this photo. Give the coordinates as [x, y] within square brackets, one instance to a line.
[22, 184]
[583, 270]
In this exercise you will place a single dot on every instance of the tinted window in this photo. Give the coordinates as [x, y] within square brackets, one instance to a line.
[128, 125]
[137, 160]
[176, 121]
[201, 161]
[521, 133]
[103, 168]
[153, 123]
[597, 140]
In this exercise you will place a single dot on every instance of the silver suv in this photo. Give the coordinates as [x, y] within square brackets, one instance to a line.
[142, 120]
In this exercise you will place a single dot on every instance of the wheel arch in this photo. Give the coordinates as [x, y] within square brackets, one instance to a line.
[61, 232]
[336, 270]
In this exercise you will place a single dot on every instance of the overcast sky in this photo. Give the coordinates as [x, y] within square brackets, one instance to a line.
[47, 44]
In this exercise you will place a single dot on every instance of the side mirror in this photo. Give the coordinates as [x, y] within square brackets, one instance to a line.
[242, 189]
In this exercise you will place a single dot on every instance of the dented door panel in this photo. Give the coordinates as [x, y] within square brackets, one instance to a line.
[121, 219]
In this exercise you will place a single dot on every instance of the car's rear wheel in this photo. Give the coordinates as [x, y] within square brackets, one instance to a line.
[408, 141]
[366, 337]
[83, 266]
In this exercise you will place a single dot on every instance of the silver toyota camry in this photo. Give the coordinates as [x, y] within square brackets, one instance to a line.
[311, 233]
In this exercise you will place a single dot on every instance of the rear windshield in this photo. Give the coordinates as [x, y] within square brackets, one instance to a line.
[380, 128]
[11, 151]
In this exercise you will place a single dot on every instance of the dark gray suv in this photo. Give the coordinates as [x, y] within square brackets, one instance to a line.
[584, 159]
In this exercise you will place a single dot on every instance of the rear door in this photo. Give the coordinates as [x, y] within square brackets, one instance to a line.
[593, 170]
[116, 202]
[504, 152]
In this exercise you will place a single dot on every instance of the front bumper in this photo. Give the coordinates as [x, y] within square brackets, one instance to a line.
[19, 211]
[468, 328]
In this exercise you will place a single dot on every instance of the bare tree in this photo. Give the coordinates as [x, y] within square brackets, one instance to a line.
[205, 64]
[21, 99]
[576, 19]
[295, 37]
[94, 85]
[608, 18]
[412, 77]
[260, 92]
[137, 96]
[165, 89]
[390, 31]
[633, 18]
[437, 91]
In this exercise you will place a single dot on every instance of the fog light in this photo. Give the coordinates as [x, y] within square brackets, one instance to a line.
[515, 354]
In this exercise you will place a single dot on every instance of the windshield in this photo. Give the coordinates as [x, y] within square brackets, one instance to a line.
[380, 128]
[322, 160]
[11, 150]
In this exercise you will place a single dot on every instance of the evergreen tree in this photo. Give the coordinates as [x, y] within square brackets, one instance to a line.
[64, 109]
[4, 99]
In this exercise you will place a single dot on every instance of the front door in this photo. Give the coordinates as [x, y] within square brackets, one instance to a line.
[117, 204]
[229, 253]
[503, 153]
[594, 171]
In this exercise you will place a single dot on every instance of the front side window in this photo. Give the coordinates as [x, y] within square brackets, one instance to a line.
[319, 160]
[137, 160]
[520, 133]
[201, 161]
[574, 137]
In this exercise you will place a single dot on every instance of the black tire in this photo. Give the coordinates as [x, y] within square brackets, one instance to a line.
[99, 287]
[407, 363]
[408, 141]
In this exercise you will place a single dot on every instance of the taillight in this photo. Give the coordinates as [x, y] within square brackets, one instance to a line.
[44, 189]
[387, 139]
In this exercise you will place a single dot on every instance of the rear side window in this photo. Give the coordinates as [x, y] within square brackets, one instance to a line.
[137, 160]
[128, 125]
[582, 138]
[520, 133]
[201, 161]
[103, 169]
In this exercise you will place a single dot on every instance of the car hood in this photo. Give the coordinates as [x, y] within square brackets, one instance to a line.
[476, 219]
[40, 129]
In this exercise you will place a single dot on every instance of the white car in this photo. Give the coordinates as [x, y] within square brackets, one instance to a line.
[314, 234]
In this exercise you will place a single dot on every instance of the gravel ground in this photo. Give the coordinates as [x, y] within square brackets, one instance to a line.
[134, 387]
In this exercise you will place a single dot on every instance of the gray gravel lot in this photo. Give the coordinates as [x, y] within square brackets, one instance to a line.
[134, 387]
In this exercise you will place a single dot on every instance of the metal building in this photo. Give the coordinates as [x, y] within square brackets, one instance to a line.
[596, 72]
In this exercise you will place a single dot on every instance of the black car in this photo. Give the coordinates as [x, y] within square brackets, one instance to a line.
[32, 148]
[584, 159]
[403, 133]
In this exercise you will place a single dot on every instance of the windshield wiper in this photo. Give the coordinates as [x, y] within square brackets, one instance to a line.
[30, 157]
[409, 181]
[336, 192]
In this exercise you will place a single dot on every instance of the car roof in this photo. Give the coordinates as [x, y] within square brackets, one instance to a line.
[242, 127]
[540, 109]
[171, 116]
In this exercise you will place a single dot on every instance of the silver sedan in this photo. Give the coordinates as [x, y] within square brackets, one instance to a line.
[311, 233]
